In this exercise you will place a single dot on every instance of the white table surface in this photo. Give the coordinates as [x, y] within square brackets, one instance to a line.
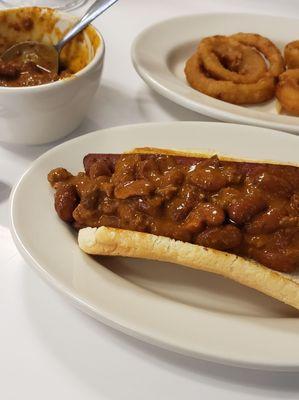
[48, 349]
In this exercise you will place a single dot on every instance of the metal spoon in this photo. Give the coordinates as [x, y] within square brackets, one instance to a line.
[47, 56]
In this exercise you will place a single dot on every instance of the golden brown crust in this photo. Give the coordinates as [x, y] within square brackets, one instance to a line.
[287, 91]
[291, 54]
[266, 47]
[228, 91]
[117, 242]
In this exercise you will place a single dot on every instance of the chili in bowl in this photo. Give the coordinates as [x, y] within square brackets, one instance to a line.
[39, 106]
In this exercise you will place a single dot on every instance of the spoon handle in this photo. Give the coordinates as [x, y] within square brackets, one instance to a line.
[97, 8]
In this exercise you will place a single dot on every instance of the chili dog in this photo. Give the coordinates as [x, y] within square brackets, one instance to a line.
[234, 218]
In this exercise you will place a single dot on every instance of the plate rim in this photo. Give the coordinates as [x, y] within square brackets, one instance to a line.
[193, 105]
[84, 306]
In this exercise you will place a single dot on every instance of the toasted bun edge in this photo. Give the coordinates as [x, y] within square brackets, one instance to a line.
[118, 242]
[206, 154]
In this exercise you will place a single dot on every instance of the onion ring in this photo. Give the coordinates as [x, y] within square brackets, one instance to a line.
[245, 65]
[231, 92]
[266, 47]
[287, 91]
[291, 54]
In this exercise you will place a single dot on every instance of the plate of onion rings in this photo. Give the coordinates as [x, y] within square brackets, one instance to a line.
[244, 71]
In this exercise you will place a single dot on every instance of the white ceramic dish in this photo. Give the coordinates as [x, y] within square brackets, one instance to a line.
[159, 54]
[45, 113]
[187, 311]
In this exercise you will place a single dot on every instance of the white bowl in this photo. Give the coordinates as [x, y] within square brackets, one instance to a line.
[45, 113]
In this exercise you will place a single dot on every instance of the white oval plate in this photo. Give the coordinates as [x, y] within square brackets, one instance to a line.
[159, 54]
[187, 311]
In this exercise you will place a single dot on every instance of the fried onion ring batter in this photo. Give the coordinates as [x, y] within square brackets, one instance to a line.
[226, 59]
[291, 54]
[287, 91]
[266, 47]
[236, 93]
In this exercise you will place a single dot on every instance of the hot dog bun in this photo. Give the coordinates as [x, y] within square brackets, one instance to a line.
[191, 153]
[118, 242]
